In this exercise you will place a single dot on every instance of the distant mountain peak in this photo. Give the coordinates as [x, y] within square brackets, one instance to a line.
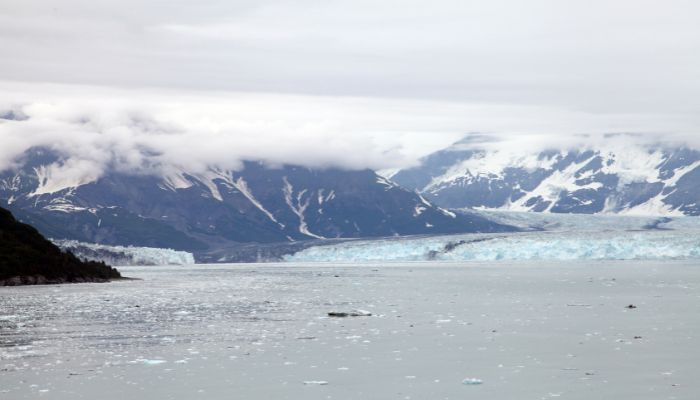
[630, 179]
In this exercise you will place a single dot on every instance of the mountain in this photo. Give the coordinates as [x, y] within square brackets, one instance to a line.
[630, 179]
[26, 257]
[202, 211]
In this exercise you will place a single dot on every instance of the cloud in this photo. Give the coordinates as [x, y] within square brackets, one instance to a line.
[146, 131]
[619, 143]
[154, 131]
[135, 85]
[595, 55]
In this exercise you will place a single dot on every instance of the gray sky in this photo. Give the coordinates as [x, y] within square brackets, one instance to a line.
[352, 83]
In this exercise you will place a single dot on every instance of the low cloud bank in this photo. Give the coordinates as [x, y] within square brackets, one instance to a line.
[154, 131]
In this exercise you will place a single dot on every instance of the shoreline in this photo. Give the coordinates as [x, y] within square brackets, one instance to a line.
[34, 280]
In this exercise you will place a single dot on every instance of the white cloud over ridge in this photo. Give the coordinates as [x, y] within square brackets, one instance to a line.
[154, 131]
[138, 86]
[147, 130]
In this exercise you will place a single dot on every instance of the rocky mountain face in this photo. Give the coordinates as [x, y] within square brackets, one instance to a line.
[199, 211]
[640, 180]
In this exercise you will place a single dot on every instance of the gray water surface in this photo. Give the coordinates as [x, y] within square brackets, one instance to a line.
[525, 330]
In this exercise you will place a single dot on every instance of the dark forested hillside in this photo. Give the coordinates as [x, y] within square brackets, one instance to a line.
[26, 257]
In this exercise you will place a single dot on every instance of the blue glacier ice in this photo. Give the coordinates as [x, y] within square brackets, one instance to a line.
[126, 255]
[551, 237]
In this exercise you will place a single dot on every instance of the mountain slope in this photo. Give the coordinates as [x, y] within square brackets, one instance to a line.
[639, 179]
[198, 211]
[26, 257]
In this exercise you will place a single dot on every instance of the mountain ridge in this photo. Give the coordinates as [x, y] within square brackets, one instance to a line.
[636, 179]
[198, 211]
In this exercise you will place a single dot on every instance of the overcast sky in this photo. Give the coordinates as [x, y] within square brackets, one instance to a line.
[351, 83]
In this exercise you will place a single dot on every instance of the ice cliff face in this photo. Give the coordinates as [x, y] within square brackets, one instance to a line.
[631, 179]
[125, 255]
[197, 212]
[581, 237]
[512, 247]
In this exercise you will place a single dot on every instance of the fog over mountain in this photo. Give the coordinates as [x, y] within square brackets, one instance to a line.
[158, 132]
[140, 87]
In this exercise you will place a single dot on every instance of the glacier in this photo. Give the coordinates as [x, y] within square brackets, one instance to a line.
[548, 237]
[125, 255]
[534, 221]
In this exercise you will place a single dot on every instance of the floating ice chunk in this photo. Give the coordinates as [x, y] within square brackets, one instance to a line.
[472, 381]
[146, 361]
[316, 383]
[353, 313]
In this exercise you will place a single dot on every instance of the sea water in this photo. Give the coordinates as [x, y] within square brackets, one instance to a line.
[522, 330]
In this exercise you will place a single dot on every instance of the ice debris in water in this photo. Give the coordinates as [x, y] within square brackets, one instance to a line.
[472, 381]
[315, 382]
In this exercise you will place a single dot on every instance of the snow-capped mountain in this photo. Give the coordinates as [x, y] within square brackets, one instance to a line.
[630, 179]
[198, 211]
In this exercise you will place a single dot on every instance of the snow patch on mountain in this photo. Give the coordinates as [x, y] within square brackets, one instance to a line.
[388, 185]
[57, 177]
[551, 188]
[632, 164]
[242, 187]
[299, 208]
[489, 165]
[176, 179]
[209, 179]
[680, 172]
[630, 179]
[653, 206]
